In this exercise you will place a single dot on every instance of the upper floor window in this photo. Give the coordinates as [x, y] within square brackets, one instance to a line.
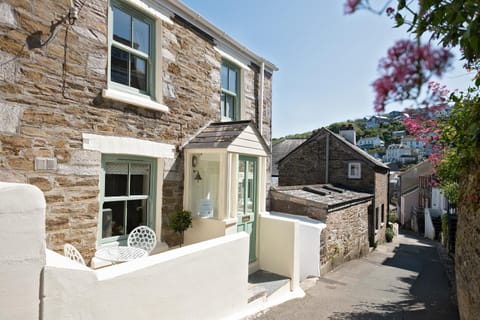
[131, 51]
[230, 99]
[354, 170]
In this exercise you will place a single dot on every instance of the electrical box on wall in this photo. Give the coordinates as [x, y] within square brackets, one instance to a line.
[42, 164]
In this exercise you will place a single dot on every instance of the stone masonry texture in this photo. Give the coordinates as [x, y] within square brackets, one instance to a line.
[51, 95]
[307, 165]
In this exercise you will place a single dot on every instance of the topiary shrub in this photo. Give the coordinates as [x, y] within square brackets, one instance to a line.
[180, 221]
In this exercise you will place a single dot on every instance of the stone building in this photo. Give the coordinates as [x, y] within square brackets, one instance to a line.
[328, 158]
[98, 100]
[344, 212]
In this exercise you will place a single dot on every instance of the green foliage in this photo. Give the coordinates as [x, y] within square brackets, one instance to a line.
[461, 138]
[389, 234]
[180, 221]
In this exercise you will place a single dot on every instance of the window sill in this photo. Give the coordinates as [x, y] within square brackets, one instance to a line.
[135, 100]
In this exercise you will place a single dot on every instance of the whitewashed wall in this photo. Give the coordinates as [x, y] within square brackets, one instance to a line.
[407, 202]
[309, 243]
[22, 250]
[207, 280]
[279, 247]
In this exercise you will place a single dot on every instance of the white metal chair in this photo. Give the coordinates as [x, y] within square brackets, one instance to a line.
[142, 237]
[72, 253]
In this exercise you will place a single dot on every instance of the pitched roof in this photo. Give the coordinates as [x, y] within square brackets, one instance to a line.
[236, 136]
[283, 148]
[368, 158]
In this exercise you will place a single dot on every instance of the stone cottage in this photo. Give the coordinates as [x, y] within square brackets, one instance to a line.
[99, 99]
[328, 158]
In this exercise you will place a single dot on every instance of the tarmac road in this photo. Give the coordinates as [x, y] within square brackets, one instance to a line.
[404, 279]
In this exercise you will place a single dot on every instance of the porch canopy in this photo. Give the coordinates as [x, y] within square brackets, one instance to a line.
[212, 175]
[238, 136]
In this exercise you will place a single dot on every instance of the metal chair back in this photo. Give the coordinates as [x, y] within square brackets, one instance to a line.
[142, 237]
[72, 253]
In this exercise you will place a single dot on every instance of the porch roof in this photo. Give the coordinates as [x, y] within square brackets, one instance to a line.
[238, 136]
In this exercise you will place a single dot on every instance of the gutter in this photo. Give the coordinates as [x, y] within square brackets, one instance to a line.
[218, 34]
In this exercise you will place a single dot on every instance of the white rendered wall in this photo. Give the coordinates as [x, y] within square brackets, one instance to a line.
[22, 250]
[407, 202]
[206, 280]
[309, 243]
[204, 229]
[279, 247]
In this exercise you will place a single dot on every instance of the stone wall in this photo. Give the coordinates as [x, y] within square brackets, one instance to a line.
[467, 246]
[345, 237]
[51, 95]
[307, 165]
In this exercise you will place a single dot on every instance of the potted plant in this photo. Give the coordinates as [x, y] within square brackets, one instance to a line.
[180, 221]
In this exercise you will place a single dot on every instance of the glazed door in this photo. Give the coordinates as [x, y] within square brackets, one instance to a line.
[246, 200]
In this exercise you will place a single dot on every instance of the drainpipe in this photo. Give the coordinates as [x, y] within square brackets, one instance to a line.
[260, 98]
[327, 156]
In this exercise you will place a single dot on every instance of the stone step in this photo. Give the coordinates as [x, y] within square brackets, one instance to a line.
[263, 284]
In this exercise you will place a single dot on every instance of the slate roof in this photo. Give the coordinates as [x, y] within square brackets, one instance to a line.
[327, 194]
[377, 164]
[222, 135]
[281, 149]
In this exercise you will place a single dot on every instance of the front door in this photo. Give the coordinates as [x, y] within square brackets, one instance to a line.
[247, 201]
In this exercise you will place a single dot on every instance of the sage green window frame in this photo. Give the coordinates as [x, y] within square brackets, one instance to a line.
[228, 92]
[149, 57]
[150, 198]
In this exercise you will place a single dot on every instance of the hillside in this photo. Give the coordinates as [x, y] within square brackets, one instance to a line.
[392, 122]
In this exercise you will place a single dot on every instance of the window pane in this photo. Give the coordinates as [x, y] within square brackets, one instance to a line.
[241, 188]
[230, 106]
[250, 201]
[122, 27]
[116, 179]
[113, 220]
[119, 67]
[223, 105]
[136, 214]
[232, 80]
[139, 179]
[224, 77]
[141, 36]
[138, 69]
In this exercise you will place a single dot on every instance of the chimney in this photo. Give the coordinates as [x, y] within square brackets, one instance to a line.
[348, 132]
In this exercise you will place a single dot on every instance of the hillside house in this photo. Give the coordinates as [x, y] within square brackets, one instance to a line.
[328, 158]
[375, 121]
[100, 104]
[400, 153]
[370, 143]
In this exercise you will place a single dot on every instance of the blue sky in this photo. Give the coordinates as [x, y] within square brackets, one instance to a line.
[327, 60]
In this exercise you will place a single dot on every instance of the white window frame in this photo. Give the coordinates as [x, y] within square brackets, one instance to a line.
[354, 170]
[237, 112]
[152, 99]
[151, 197]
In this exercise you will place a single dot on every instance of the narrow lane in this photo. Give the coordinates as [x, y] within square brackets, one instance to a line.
[400, 280]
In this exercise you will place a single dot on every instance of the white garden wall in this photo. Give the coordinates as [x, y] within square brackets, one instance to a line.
[207, 280]
[22, 250]
[279, 247]
[309, 243]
